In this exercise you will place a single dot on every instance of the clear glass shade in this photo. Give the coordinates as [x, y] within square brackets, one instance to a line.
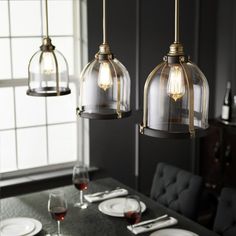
[48, 74]
[104, 90]
[175, 100]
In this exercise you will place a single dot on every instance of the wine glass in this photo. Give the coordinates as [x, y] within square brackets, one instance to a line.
[57, 207]
[132, 209]
[81, 180]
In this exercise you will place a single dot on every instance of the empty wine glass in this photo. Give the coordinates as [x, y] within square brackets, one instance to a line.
[132, 209]
[81, 180]
[57, 207]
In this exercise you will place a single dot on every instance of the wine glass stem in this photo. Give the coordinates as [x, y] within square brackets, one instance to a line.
[59, 228]
[81, 197]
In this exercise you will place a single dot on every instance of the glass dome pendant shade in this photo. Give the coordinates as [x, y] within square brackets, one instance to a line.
[48, 70]
[104, 85]
[176, 95]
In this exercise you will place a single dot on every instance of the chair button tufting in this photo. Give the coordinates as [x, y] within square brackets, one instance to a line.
[173, 186]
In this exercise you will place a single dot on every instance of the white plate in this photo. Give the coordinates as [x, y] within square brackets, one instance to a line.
[20, 226]
[175, 232]
[115, 207]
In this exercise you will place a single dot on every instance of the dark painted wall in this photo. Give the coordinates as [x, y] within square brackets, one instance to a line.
[157, 33]
[112, 141]
[207, 49]
[140, 32]
[226, 50]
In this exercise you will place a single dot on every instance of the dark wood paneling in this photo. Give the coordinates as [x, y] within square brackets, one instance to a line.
[218, 151]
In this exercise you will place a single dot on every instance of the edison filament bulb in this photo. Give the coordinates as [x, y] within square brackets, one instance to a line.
[176, 85]
[48, 63]
[104, 76]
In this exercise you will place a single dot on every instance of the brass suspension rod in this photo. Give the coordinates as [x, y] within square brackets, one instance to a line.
[176, 21]
[104, 23]
[46, 14]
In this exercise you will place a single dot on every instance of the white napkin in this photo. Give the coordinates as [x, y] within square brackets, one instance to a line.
[115, 193]
[158, 225]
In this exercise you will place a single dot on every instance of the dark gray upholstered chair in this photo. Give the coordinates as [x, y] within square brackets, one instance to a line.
[177, 189]
[225, 221]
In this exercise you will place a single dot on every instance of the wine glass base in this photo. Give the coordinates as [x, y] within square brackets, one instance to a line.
[81, 205]
[56, 234]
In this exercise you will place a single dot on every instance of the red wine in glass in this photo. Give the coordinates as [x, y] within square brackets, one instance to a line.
[80, 180]
[57, 207]
[132, 209]
[58, 213]
[132, 217]
[81, 184]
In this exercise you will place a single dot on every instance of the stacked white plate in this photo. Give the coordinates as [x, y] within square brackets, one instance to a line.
[175, 232]
[20, 226]
[115, 206]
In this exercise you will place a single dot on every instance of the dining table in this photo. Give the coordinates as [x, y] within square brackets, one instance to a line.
[90, 221]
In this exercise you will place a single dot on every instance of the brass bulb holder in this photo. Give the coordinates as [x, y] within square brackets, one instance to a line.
[47, 45]
[176, 49]
[104, 53]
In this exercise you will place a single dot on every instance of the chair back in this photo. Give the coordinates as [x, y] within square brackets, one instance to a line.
[177, 189]
[225, 221]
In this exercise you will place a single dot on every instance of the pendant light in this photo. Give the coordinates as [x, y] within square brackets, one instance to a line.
[48, 69]
[104, 84]
[176, 95]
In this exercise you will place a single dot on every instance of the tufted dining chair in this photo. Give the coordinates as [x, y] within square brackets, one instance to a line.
[225, 221]
[177, 189]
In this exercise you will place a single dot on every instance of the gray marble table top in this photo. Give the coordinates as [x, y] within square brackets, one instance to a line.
[88, 222]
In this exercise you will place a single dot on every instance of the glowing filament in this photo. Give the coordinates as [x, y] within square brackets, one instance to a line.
[176, 85]
[48, 63]
[104, 76]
